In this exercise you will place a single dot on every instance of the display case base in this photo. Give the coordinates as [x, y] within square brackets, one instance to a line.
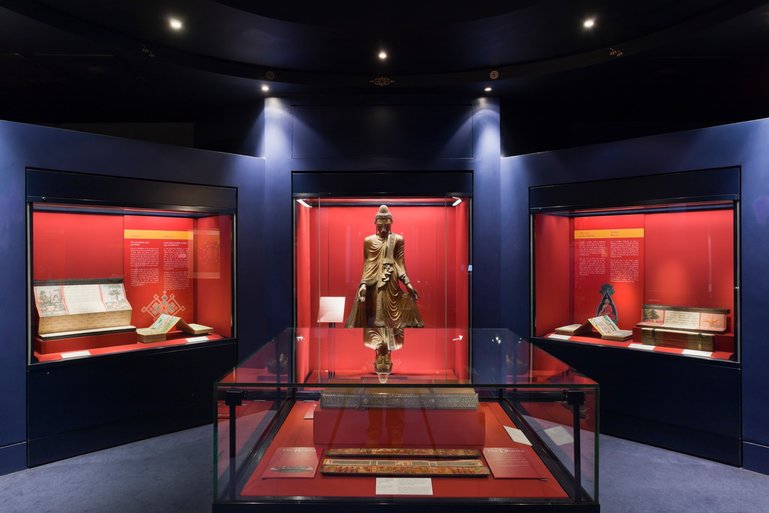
[90, 404]
[393, 427]
[649, 397]
[405, 506]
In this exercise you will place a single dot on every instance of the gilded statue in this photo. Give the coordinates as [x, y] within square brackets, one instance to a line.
[380, 301]
[383, 341]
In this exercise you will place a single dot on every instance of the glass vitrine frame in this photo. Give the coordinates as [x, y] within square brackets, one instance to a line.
[665, 315]
[261, 411]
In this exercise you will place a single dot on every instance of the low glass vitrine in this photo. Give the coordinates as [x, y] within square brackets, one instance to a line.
[407, 424]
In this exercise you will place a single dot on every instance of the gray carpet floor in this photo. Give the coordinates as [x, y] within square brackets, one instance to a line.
[173, 473]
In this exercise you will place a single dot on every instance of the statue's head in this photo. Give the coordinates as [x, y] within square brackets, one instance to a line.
[383, 221]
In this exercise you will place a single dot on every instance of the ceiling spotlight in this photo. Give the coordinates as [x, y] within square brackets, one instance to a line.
[382, 55]
[589, 23]
[265, 88]
[487, 89]
[175, 23]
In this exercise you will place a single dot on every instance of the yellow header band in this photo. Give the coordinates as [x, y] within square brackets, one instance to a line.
[622, 233]
[158, 234]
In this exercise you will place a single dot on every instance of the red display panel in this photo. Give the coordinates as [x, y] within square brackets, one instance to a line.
[213, 273]
[76, 246]
[329, 257]
[158, 265]
[693, 256]
[607, 267]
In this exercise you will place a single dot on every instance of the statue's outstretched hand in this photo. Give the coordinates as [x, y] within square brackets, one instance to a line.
[362, 293]
[413, 291]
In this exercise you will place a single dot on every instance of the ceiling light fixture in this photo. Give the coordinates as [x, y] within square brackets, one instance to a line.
[265, 88]
[457, 202]
[382, 55]
[487, 89]
[589, 23]
[175, 23]
[303, 203]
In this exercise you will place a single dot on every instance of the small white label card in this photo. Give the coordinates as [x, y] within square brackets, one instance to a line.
[404, 486]
[643, 347]
[195, 340]
[559, 435]
[695, 352]
[76, 354]
[331, 309]
[309, 414]
[558, 336]
[517, 435]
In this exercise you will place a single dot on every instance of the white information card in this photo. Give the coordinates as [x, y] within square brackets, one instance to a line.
[559, 435]
[404, 486]
[517, 435]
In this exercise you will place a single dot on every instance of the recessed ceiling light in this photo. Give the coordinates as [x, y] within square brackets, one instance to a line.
[175, 23]
[487, 89]
[382, 55]
[589, 23]
[265, 88]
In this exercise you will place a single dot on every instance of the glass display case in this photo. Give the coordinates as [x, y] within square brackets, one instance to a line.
[648, 263]
[433, 253]
[660, 277]
[110, 275]
[395, 262]
[516, 431]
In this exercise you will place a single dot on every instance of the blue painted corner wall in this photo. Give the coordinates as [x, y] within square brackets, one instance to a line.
[743, 144]
[23, 146]
[396, 137]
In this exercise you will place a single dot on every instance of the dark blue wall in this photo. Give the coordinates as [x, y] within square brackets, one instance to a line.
[23, 146]
[742, 144]
[393, 136]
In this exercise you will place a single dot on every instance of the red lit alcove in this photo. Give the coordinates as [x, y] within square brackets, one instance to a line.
[81, 246]
[329, 259]
[686, 259]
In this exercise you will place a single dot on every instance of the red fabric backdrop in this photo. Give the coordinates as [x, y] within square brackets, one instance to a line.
[91, 246]
[76, 246]
[329, 261]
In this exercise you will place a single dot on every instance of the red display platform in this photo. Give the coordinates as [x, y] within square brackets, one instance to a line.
[637, 346]
[123, 348]
[297, 431]
[398, 427]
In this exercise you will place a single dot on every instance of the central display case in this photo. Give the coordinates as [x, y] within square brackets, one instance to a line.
[517, 432]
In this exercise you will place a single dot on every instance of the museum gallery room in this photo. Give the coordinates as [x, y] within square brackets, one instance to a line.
[387, 257]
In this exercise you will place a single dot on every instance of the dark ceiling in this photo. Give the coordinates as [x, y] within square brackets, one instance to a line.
[645, 66]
